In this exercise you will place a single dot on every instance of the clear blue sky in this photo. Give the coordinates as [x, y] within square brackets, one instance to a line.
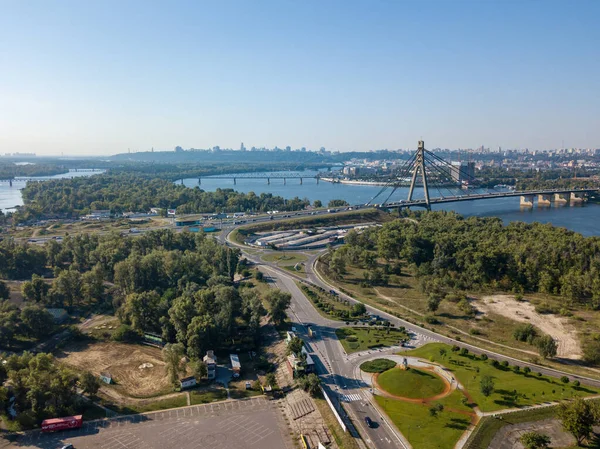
[98, 77]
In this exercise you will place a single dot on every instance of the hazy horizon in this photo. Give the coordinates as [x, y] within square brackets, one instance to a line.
[99, 78]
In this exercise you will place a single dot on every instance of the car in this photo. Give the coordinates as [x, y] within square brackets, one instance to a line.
[67, 446]
[369, 421]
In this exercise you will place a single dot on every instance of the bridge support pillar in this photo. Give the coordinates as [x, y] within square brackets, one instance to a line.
[577, 198]
[527, 200]
[544, 200]
[10, 182]
[317, 180]
[234, 183]
[284, 181]
[181, 181]
[268, 181]
[199, 181]
[300, 181]
[561, 198]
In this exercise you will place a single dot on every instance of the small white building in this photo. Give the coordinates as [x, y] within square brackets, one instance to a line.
[235, 365]
[187, 382]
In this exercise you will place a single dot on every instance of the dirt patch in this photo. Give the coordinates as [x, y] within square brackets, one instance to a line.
[524, 312]
[138, 370]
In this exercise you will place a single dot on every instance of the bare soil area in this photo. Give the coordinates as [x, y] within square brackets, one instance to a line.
[524, 312]
[139, 371]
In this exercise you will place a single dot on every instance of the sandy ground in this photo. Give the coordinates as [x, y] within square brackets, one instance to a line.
[524, 312]
[138, 370]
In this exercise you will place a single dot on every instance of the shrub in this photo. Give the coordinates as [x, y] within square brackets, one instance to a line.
[474, 331]
[464, 351]
[455, 348]
[125, 333]
[526, 370]
[494, 363]
[377, 365]
[576, 383]
[484, 357]
[504, 363]
[564, 379]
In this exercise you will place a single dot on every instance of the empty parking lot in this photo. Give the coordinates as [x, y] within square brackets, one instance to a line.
[252, 423]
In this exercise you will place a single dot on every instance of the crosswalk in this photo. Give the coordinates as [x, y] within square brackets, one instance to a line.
[352, 397]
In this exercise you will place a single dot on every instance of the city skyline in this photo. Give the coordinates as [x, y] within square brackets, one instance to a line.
[99, 78]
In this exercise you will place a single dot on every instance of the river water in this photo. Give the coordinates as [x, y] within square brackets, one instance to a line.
[583, 219]
[10, 196]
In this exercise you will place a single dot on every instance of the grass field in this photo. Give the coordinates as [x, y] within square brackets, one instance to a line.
[284, 258]
[327, 305]
[355, 339]
[530, 388]
[412, 383]
[420, 428]
[206, 396]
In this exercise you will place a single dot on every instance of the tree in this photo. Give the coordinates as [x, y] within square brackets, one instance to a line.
[199, 369]
[172, 355]
[433, 302]
[295, 346]
[358, 309]
[311, 384]
[271, 379]
[4, 290]
[534, 440]
[35, 290]
[37, 321]
[591, 352]
[337, 203]
[89, 383]
[317, 203]
[278, 302]
[486, 385]
[436, 409]
[578, 418]
[443, 352]
[546, 346]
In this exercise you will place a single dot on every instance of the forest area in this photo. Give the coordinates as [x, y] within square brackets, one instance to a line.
[129, 192]
[179, 286]
[452, 257]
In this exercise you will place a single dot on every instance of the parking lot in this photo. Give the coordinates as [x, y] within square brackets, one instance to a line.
[251, 423]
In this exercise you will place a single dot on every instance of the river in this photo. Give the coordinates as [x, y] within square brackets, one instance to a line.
[10, 196]
[583, 219]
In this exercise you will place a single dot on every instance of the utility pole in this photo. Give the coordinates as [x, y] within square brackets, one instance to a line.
[419, 166]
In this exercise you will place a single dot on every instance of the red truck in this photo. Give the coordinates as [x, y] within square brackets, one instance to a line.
[68, 422]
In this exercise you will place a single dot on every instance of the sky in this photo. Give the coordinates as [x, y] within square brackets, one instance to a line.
[101, 77]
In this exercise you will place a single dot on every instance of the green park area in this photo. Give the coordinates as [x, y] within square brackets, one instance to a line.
[293, 262]
[511, 386]
[355, 339]
[422, 428]
[436, 424]
[412, 383]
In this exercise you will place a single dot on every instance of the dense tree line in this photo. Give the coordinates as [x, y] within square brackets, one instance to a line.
[452, 252]
[10, 170]
[125, 192]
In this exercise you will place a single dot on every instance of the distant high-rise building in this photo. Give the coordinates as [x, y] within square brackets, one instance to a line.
[462, 171]
[178, 149]
[242, 147]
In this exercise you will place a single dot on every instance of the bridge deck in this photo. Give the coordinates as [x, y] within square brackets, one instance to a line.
[484, 196]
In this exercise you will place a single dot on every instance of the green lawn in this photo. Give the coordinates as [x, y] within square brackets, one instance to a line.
[284, 258]
[206, 396]
[356, 339]
[420, 428]
[531, 388]
[411, 383]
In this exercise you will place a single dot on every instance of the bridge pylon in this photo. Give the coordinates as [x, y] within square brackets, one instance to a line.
[419, 166]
